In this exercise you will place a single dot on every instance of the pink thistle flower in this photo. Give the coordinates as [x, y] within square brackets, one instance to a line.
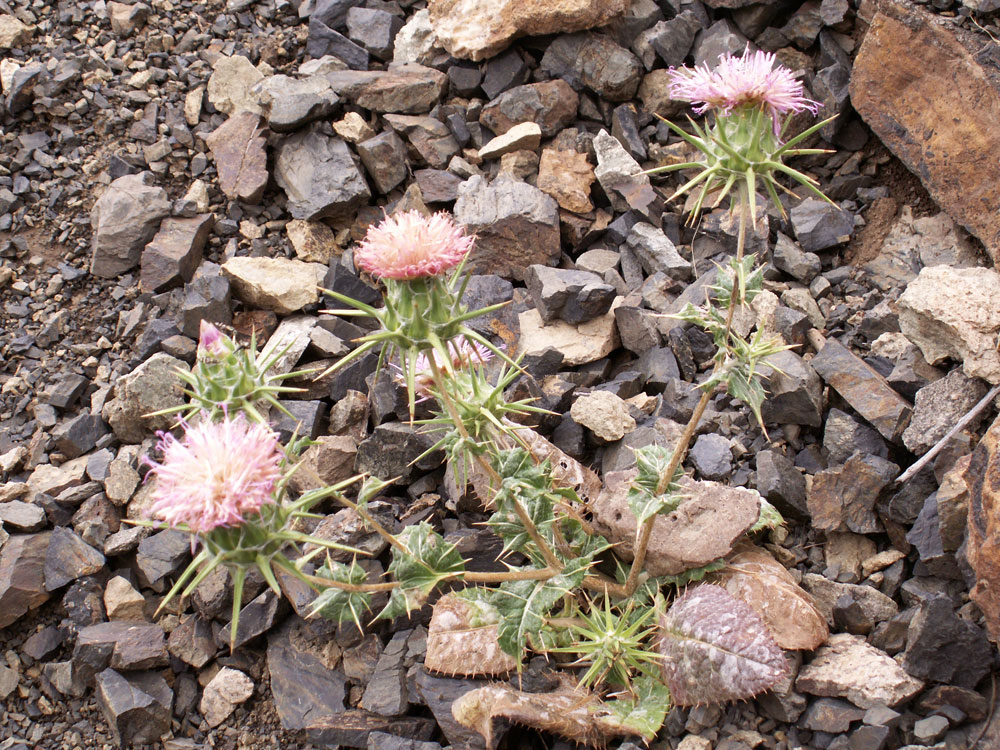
[410, 245]
[465, 353]
[211, 341]
[748, 81]
[218, 474]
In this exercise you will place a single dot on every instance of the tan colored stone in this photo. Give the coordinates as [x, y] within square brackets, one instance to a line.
[579, 344]
[954, 313]
[478, 29]
[228, 689]
[277, 284]
[230, 84]
[13, 33]
[567, 177]
[313, 241]
[920, 85]
[353, 128]
[525, 135]
[192, 105]
[604, 414]
[122, 602]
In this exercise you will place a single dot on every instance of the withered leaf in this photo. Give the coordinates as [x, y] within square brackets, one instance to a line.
[462, 639]
[755, 577]
[717, 649]
[570, 711]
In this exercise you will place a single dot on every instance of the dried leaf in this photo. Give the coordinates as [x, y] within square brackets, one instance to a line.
[756, 578]
[462, 639]
[702, 529]
[570, 711]
[717, 649]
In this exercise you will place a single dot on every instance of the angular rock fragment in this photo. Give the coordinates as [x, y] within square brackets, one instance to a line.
[124, 219]
[384, 156]
[175, 252]
[573, 296]
[238, 148]
[22, 575]
[152, 386]
[596, 62]
[137, 707]
[552, 105]
[842, 498]
[68, 557]
[938, 406]
[319, 176]
[466, 30]
[578, 345]
[567, 177]
[604, 414]
[430, 137]
[230, 84]
[409, 89]
[224, 692]
[290, 103]
[516, 225]
[619, 176]
[277, 284]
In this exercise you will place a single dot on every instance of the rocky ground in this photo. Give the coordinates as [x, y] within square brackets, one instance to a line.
[165, 162]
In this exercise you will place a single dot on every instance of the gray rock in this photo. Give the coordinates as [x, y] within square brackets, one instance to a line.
[516, 225]
[405, 89]
[304, 683]
[637, 328]
[162, 554]
[257, 617]
[430, 137]
[819, 225]
[331, 12]
[593, 61]
[238, 149]
[152, 386]
[206, 297]
[374, 30]
[925, 536]
[842, 436]
[79, 435]
[804, 25]
[439, 693]
[781, 484]
[383, 741]
[174, 253]
[842, 498]
[573, 296]
[137, 708]
[943, 647]
[123, 646]
[290, 103]
[790, 258]
[68, 557]
[384, 156]
[319, 176]
[795, 392]
[552, 105]
[22, 575]
[830, 715]
[938, 406]
[656, 252]
[192, 642]
[21, 516]
[720, 39]
[386, 692]
[931, 729]
[323, 41]
[392, 447]
[712, 456]
[672, 39]
[124, 219]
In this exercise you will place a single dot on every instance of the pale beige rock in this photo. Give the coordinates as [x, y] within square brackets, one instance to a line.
[198, 194]
[604, 414]
[579, 344]
[525, 135]
[13, 33]
[277, 284]
[955, 313]
[122, 601]
[8, 68]
[353, 128]
[478, 29]
[313, 241]
[567, 177]
[192, 105]
[230, 84]
[848, 667]
[227, 690]
[51, 480]
[416, 42]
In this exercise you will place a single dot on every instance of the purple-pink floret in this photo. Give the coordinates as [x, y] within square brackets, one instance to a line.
[210, 341]
[752, 80]
[216, 475]
[464, 352]
[410, 245]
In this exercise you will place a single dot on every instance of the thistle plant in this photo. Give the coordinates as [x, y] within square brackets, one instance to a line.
[567, 592]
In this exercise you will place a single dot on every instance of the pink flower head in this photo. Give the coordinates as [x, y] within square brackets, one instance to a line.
[218, 474]
[211, 341]
[748, 81]
[410, 245]
[465, 353]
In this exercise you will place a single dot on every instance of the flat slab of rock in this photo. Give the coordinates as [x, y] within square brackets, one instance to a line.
[293, 102]
[150, 387]
[470, 30]
[230, 84]
[279, 284]
[552, 105]
[237, 147]
[703, 528]
[578, 344]
[864, 389]
[22, 575]
[408, 89]
[516, 225]
[848, 667]
[954, 313]
[175, 252]
[305, 686]
[911, 76]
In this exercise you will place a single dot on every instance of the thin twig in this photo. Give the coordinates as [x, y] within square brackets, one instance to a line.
[940, 444]
[989, 718]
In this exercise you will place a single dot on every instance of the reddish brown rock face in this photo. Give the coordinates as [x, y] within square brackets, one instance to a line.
[918, 84]
[983, 480]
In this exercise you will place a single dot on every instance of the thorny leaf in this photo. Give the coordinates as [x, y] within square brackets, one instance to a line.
[338, 605]
[756, 578]
[717, 649]
[524, 604]
[652, 491]
[430, 561]
[644, 710]
[570, 711]
[462, 638]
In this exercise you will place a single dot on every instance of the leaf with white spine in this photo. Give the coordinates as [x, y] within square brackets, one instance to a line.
[717, 649]
[462, 638]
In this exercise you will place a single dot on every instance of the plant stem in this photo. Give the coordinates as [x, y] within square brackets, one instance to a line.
[529, 526]
[680, 450]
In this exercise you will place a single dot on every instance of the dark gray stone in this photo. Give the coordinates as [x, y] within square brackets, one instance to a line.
[373, 30]
[319, 176]
[124, 219]
[790, 258]
[162, 554]
[596, 62]
[656, 252]
[304, 687]
[672, 39]
[712, 456]
[325, 41]
[719, 39]
[781, 484]
[137, 707]
[173, 255]
[256, 618]
[206, 297]
[439, 693]
[842, 436]
[819, 225]
[68, 557]
[22, 575]
[66, 390]
[794, 392]
[830, 715]
[503, 72]
[79, 435]
[386, 692]
[573, 296]
[122, 646]
[306, 418]
[384, 156]
[392, 447]
[291, 103]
